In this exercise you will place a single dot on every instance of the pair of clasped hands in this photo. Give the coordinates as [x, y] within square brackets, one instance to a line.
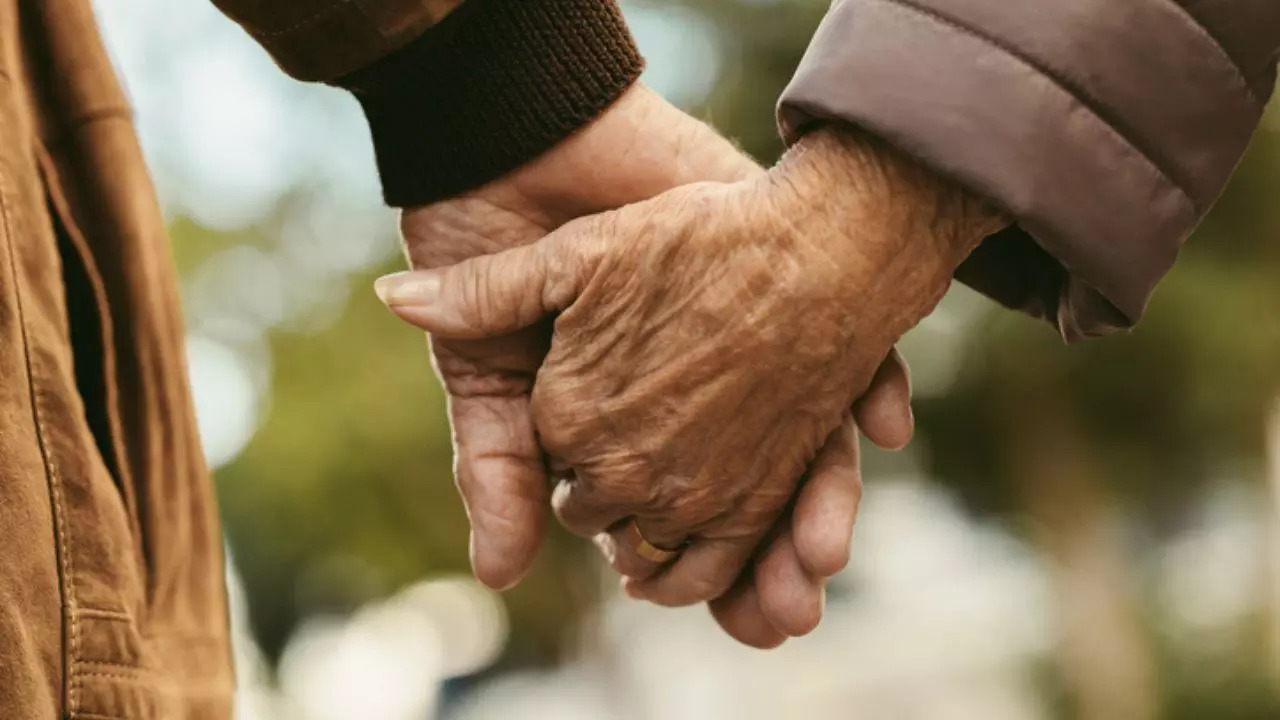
[675, 351]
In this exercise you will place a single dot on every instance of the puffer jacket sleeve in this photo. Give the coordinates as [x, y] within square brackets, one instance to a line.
[1108, 129]
[456, 93]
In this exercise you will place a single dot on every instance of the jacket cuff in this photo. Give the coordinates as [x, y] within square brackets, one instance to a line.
[493, 86]
[1106, 176]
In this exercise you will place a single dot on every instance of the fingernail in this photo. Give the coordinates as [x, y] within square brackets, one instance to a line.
[407, 288]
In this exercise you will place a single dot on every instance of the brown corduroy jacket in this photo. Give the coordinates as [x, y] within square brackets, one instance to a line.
[1106, 128]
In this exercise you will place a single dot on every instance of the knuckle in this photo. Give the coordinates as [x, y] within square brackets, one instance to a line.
[689, 591]
[624, 563]
[671, 529]
[468, 286]
[707, 587]
[856, 489]
[560, 428]
[587, 505]
[576, 508]
[689, 506]
[749, 521]
[794, 620]
[718, 584]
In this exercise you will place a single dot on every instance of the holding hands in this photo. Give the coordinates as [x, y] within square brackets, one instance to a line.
[702, 358]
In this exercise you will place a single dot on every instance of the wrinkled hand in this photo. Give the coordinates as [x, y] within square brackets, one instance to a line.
[711, 341]
[640, 147]
[782, 594]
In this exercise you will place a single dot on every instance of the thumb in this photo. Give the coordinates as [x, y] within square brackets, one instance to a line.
[496, 294]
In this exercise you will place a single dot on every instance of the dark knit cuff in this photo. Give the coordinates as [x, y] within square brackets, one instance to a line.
[493, 86]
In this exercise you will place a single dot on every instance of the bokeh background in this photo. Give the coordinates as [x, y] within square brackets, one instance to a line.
[1086, 532]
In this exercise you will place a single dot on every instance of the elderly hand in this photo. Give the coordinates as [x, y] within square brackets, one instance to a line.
[712, 339]
[641, 147]
[782, 594]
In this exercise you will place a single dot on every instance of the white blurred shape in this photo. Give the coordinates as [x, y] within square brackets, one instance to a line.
[380, 665]
[226, 133]
[255, 700]
[389, 659]
[680, 46]
[225, 397]
[470, 620]
[575, 692]
[234, 137]
[327, 236]
[935, 349]
[946, 616]
[242, 285]
[1209, 577]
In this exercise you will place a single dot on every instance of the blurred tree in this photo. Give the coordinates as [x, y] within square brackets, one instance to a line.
[1075, 441]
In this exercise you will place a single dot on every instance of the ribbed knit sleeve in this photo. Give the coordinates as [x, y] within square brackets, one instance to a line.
[492, 86]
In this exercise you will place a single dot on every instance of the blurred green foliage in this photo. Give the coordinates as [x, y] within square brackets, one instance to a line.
[345, 494]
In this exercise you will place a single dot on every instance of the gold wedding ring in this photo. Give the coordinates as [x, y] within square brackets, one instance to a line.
[648, 550]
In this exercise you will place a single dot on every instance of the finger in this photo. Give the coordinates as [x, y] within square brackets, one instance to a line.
[739, 614]
[706, 570]
[790, 598]
[827, 505]
[619, 551]
[499, 472]
[500, 293]
[884, 413]
[584, 508]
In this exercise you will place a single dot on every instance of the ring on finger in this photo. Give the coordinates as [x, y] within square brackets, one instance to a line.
[647, 550]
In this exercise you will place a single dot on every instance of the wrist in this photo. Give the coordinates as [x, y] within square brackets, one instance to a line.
[913, 210]
[492, 85]
[639, 148]
[892, 231]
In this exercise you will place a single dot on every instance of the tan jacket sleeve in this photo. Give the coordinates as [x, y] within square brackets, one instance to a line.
[322, 40]
[457, 94]
[1107, 128]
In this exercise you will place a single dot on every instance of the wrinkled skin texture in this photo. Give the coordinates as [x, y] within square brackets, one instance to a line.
[638, 149]
[711, 343]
